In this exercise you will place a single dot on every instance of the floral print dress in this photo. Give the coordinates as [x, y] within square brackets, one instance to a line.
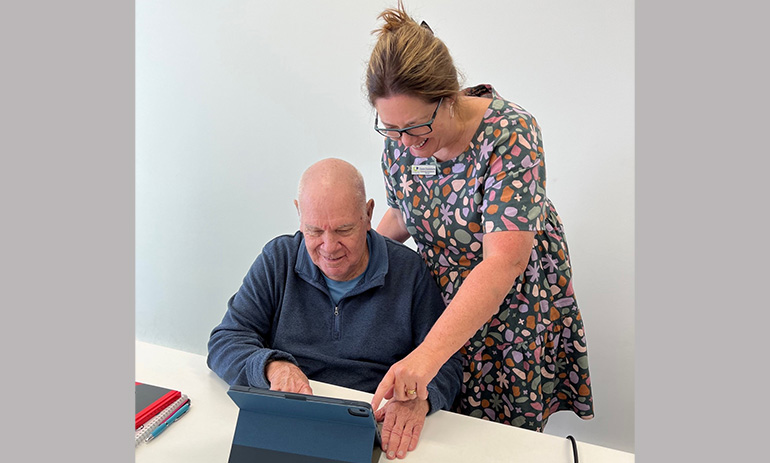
[530, 359]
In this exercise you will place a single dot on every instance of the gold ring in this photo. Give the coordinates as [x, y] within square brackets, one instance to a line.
[411, 391]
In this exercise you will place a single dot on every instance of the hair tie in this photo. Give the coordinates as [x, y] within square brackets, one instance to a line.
[426, 26]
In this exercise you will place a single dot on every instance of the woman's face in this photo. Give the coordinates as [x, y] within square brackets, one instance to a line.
[401, 111]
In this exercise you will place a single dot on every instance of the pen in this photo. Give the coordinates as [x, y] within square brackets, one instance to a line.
[178, 414]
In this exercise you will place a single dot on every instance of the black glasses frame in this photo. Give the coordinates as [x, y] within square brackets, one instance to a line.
[388, 132]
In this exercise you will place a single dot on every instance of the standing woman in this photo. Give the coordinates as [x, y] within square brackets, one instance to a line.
[465, 177]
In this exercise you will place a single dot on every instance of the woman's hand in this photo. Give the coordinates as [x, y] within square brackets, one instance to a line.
[407, 379]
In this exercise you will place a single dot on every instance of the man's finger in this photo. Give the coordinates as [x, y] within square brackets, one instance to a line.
[387, 426]
[415, 436]
[406, 440]
[306, 389]
[395, 438]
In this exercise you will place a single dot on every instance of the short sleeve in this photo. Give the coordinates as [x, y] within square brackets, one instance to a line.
[393, 173]
[514, 187]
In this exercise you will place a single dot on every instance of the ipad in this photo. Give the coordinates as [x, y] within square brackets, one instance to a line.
[284, 427]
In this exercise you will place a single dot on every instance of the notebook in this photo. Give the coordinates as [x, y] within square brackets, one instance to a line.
[151, 400]
[283, 427]
[145, 432]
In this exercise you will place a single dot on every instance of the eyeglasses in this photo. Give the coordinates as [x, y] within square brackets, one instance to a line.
[415, 130]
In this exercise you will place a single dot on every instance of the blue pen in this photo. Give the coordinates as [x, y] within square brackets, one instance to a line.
[178, 414]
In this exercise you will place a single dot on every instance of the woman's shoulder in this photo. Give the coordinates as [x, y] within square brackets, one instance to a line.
[499, 106]
[481, 91]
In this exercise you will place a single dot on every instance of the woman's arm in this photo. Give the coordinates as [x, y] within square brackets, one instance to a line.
[506, 255]
[392, 225]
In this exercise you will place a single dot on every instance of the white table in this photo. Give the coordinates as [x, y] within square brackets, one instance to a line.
[205, 433]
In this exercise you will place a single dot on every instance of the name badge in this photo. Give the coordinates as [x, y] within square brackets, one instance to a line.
[423, 169]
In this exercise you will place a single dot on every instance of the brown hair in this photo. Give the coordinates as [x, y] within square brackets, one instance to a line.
[409, 60]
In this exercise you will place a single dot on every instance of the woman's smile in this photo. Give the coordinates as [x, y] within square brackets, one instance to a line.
[419, 146]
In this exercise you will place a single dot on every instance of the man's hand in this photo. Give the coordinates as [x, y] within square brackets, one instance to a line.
[287, 377]
[403, 422]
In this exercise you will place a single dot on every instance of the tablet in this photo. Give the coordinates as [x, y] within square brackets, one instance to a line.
[284, 427]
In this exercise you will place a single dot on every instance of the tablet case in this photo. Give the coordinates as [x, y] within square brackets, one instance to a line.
[285, 427]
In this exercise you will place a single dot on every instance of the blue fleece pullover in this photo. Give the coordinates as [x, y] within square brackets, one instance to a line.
[283, 311]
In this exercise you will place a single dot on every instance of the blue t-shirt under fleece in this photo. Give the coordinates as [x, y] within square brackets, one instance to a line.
[338, 289]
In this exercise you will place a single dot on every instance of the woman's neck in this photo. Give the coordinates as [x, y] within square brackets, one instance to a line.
[464, 125]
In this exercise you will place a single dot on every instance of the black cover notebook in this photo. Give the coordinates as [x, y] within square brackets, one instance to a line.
[151, 400]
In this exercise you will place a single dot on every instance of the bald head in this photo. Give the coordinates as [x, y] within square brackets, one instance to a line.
[331, 177]
[334, 218]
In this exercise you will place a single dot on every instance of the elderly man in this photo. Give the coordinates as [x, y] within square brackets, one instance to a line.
[335, 302]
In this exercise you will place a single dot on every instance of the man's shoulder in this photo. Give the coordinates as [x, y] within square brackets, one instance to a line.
[402, 253]
[396, 246]
[283, 245]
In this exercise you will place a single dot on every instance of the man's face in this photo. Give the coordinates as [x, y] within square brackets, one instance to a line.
[335, 234]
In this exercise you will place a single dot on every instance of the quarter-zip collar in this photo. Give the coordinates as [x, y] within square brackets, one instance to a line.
[374, 276]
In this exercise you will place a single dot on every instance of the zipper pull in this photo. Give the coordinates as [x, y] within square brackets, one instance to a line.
[336, 310]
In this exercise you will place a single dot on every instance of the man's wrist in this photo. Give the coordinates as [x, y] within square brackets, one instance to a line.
[426, 406]
[275, 356]
[272, 364]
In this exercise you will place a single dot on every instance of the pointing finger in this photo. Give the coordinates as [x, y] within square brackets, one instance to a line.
[385, 387]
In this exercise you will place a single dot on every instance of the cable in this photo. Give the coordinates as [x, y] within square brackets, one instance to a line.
[574, 449]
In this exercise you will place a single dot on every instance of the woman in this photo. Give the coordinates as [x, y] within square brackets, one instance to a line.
[465, 178]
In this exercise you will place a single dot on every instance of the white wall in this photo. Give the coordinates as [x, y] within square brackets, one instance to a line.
[234, 99]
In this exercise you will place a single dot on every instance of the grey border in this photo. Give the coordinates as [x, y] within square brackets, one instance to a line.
[67, 189]
[67, 199]
[701, 90]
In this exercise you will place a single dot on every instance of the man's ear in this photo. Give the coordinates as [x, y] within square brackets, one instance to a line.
[369, 211]
[296, 205]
